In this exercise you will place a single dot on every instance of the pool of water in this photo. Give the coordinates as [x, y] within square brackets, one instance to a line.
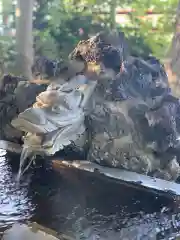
[83, 207]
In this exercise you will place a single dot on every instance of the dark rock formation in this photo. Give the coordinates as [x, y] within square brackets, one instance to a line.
[16, 94]
[109, 49]
[135, 122]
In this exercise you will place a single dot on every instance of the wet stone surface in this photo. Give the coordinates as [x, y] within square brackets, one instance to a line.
[28, 232]
[81, 207]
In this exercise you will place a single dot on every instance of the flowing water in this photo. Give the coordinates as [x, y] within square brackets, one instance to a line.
[81, 206]
[26, 155]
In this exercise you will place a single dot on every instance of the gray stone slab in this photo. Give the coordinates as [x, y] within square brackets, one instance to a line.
[127, 177]
[27, 232]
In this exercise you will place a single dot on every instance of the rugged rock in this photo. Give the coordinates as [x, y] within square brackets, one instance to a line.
[135, 119]
[16, 94]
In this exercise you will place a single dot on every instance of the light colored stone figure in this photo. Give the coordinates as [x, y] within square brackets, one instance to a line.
[57, 118]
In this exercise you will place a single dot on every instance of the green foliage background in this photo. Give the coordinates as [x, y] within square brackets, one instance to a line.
[67, 16]
[57, 24]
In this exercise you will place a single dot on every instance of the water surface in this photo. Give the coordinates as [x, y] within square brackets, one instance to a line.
[81, 206]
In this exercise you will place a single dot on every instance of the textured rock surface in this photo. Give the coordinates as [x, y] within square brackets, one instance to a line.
[16, 95]
[135, 122]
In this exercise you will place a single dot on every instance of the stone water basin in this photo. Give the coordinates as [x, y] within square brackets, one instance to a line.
[124, 177]
[82, 206]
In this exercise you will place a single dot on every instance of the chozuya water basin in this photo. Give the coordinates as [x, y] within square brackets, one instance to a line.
[131, 179]
[121, 176]
[133, 122]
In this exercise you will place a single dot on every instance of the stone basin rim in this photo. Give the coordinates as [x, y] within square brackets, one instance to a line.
[125, 177]
[161, 186]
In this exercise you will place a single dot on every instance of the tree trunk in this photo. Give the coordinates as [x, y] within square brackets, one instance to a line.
[24, 37]
[175, 46]
[6, 11]
[113, 6]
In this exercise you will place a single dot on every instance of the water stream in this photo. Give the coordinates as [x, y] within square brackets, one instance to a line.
[26, 155]
[82, 207]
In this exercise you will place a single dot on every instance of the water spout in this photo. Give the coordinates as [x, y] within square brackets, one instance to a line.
[26, 154]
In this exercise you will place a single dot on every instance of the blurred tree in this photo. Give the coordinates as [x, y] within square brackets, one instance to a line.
[175, 46]
[24, 37]
[153, 36]
[7, 8]
[59, 24]
[157, 30]
[73, 21]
